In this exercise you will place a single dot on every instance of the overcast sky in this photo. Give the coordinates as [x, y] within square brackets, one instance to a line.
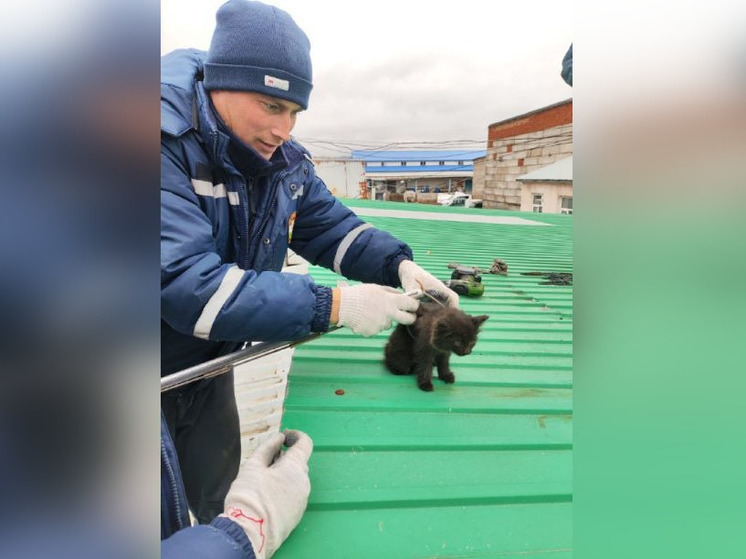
[406, 71]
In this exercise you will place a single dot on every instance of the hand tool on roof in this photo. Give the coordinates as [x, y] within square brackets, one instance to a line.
[466, 280]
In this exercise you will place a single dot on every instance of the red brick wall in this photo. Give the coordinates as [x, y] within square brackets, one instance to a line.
[532, 122]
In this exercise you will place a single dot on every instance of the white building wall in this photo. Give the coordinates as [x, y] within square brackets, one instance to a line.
[551, 193]
[341, 176]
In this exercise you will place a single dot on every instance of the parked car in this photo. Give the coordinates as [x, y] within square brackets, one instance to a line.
[459, 199]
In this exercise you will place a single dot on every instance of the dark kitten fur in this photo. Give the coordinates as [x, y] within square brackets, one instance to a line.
[437, 332]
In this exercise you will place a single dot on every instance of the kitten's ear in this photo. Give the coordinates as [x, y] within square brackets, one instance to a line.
[478, 320]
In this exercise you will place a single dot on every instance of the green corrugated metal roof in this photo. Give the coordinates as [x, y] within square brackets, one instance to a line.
[479, 468]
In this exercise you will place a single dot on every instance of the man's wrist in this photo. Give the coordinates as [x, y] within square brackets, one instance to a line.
[336, 299]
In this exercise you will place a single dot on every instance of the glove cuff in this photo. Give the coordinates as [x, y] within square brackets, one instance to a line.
[236, 533]
[392, 266]
[404, 265]
[351, 308]
[395, 263]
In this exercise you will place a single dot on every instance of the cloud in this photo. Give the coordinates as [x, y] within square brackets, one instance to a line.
[408, 71]
[418, 97]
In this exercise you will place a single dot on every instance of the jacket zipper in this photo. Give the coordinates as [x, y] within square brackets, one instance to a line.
[273, 194]
[174, 487]
[251, 238]
[250, 207]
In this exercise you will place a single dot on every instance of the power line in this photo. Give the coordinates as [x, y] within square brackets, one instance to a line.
[390, 142]
[342, 146]
[352, 145]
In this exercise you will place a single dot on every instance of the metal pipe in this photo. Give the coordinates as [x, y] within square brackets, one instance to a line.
[225, 363]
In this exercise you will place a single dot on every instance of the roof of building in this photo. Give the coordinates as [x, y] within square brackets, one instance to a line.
[418, 164]
[421, 155]
[481, 467]
[558, 171]
[532, 113]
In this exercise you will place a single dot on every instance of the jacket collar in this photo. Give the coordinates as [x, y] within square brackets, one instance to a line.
[178, 72]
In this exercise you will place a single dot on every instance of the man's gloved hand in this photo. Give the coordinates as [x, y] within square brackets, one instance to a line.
[270, 492]
[368, 308]
[413, 277]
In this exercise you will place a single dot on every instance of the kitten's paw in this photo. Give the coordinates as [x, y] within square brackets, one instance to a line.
[448, 378]
[426, 386]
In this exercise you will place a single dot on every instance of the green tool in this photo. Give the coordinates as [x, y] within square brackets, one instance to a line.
[466, 280]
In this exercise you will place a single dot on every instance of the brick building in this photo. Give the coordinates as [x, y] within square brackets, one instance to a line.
[517, 146]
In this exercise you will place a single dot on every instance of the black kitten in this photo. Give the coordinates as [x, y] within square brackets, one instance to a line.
[437, 332]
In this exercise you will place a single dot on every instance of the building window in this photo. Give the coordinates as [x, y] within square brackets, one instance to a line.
[566, 205]
[538, 203]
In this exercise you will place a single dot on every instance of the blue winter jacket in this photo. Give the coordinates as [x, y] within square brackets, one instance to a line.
[221, 539]
[221, 255]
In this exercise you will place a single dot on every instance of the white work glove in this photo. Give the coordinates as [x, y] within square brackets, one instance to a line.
[413, 277]
[270, 493]
[368, 308]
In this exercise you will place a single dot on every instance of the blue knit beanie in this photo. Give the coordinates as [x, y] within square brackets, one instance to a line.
[256, 47]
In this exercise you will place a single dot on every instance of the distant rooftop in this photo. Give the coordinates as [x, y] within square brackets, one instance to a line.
[533, 113]
[415, 163]
[421, 155]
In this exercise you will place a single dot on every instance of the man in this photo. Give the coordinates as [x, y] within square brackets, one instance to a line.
[236, 192]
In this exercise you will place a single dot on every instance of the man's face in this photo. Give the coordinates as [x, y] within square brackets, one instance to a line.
[260, 121]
